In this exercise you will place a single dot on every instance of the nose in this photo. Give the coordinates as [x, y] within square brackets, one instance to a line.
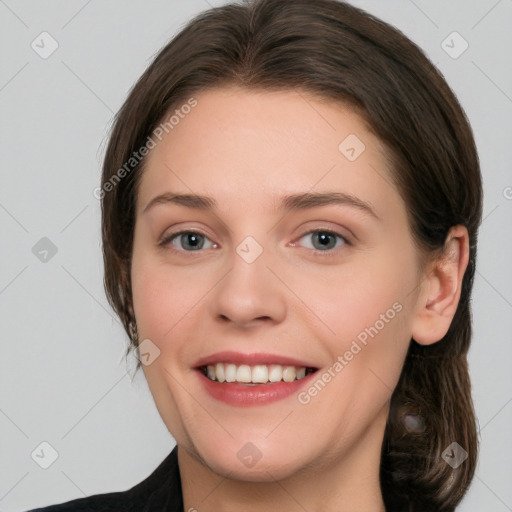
[249, 294]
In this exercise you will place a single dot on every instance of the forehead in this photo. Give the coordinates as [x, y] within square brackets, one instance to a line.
[249, 147]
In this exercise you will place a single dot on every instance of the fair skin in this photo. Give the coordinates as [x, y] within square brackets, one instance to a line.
[246, 150]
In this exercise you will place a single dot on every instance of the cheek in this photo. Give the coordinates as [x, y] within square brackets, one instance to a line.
[353, 296]
[167, 300]
[164, 303]
[365, 311]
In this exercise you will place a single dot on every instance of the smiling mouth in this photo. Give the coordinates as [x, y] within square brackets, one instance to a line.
[255, 374]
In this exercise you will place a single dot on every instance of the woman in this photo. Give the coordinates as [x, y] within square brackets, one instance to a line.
[291, 197]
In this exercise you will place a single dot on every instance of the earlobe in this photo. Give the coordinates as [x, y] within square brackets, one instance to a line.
[440, 292]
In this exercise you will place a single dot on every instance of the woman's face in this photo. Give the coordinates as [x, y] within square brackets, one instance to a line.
[280, 277]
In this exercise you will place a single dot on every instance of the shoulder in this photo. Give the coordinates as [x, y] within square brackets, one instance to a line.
[160, 491]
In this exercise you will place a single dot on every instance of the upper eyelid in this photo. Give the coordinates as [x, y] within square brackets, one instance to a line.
[172, 236]
[323, 230]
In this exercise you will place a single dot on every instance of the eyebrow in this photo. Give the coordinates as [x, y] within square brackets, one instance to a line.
[288, 203]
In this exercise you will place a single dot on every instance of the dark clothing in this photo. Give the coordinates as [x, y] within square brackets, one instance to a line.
[160, 492]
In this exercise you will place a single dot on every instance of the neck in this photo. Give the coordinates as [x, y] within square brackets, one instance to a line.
[345, 482]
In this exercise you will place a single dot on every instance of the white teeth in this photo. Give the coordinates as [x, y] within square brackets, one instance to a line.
[289, 374]
[275, 373]
[258, 374]
[219, 372]
[230, 372]
[243, 373]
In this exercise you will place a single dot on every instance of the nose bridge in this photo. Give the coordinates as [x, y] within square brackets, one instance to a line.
[249, 291]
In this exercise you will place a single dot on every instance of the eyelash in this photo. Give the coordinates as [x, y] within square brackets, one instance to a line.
[330, 252]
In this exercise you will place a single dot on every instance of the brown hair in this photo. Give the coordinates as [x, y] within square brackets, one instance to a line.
[340, 53]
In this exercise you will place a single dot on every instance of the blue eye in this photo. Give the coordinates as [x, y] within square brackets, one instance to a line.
[324, 240]
[189, 241]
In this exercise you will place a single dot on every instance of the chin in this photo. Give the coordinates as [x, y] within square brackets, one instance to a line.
[265, 461]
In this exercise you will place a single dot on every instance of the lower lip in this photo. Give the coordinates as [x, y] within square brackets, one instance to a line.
[243, 395]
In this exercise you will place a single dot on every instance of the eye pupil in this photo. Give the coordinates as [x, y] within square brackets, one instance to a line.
[193, 241]
[325, 239]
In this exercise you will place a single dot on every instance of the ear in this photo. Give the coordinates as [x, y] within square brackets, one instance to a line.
[441, 288]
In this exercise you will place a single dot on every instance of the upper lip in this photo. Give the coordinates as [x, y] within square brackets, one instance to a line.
[251, 359]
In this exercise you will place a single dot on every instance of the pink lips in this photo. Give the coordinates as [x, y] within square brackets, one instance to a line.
[245, 395]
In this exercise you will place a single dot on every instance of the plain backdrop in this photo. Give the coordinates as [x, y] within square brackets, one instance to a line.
[63, 378]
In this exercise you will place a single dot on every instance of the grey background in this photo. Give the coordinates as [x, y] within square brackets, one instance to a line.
[63, 378]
